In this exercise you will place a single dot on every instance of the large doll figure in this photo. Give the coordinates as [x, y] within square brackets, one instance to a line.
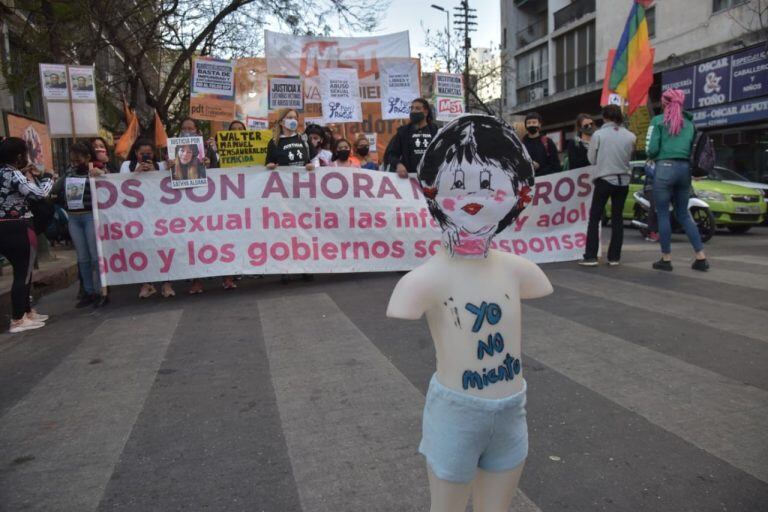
[477, 178]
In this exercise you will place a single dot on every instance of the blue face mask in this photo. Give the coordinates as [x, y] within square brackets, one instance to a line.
[291, 124]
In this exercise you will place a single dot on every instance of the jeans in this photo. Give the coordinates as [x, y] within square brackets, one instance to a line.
[673, 185]
[83, 235]
[618, 196]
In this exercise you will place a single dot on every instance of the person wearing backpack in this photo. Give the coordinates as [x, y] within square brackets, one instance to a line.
[669, 143]
[541, 149]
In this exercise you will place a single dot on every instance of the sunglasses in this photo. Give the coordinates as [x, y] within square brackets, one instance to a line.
[587, 125]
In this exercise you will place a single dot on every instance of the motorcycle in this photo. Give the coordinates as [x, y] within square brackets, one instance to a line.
[700, 212]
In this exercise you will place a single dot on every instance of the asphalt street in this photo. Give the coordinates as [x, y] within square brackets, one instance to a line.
[647, 391]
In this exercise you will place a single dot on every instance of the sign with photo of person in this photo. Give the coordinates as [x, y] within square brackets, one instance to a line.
[53, 78]
[81, 83]
[188, 169]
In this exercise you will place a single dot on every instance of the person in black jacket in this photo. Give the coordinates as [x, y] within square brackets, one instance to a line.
[411, 140]
[577, 148]
[541, 149]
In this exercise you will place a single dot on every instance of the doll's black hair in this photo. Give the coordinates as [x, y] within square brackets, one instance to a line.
[473, 138]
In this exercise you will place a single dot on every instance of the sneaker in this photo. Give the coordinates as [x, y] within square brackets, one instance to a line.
[36, 317]
[613, 263]
[87, 300]
[652, 237]
[229, 283]
[588, 262]
[663, 265]
[700, 265]
[24, 325]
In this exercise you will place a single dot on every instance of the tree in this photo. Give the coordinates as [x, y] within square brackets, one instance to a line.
[155, 40]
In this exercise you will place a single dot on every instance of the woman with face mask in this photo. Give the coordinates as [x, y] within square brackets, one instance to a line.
[73, 192]
[363, 150]
[577, 148]
[288, 147]
[20, 184]
[318, 139]
[100, 155]
[189, 128]
[342, 157]
[411, 140]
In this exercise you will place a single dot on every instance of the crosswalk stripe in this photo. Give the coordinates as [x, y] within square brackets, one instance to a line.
[351, 420]
[742, 320]
[719, 415]
[749, 259]
[65, 436]
[718, 275]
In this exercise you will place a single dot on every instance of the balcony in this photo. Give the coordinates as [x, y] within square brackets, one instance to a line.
[573, 11]
[532, 32]
[575, 78]
[533, 92]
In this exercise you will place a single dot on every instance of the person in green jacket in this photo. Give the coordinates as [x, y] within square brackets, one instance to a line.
[669, 143]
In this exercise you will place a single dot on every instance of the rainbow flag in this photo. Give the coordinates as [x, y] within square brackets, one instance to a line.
[632, 66]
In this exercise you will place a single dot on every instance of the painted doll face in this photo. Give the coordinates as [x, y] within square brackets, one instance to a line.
[475, 196]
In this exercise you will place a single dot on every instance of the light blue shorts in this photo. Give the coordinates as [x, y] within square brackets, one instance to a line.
[461, 433]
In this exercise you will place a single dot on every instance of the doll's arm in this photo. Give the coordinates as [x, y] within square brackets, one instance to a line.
[410, 296]
[533, 282]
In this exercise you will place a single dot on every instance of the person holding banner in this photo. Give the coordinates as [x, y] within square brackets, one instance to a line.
[142, 158]
[237, 125]
[288, 147]
[20, 184]
[100, 155]
[73, 192]
[189, 128]
[363, 151]
[411, 140]
[342, 157]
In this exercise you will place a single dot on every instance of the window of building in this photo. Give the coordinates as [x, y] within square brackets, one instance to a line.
[722, 5]
[504, 37]
[533, 75]
[650, 18]
[575, 58]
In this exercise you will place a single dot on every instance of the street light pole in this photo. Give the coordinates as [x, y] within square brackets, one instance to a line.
[447, 32]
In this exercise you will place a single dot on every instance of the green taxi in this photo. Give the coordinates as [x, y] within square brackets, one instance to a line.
[733, 206]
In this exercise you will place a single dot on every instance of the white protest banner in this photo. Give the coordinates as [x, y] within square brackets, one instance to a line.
[188, 168]
[449, 96]
[253, 221]
[340, 95]
[399, 87]
[286, 92]
[53, 78]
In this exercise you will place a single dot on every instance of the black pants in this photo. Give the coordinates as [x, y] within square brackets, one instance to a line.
[618, 195]
[18, 245]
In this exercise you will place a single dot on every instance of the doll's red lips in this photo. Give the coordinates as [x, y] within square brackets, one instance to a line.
[472, 208]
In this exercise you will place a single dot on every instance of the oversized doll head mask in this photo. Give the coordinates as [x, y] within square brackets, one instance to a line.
[477, 178]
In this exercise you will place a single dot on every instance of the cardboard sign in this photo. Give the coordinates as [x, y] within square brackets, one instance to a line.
[286, 92]
[242, 148]
[212, 92]
[399, 87]
[188, 169]
[340, 96]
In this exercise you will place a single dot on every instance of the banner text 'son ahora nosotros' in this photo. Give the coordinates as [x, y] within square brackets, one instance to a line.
[254, 221]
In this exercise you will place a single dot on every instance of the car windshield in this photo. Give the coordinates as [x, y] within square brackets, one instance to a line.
[721, 173]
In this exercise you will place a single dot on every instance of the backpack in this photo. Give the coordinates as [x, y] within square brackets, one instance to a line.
[702, 155]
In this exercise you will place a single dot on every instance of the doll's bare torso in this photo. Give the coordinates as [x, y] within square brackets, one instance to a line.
[473, 313]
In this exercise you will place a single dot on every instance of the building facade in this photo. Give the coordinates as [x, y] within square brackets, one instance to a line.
[557, 51]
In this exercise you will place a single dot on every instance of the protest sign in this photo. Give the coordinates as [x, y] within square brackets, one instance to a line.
[340, 94]
[35, 134]
[188, 169]
[286, 92]
[256, 123]
[247, 221]
[399, 87]
[53, 78]
[251, 94]
[449, 96]
[212, 93]
[242, 148]
[81, 83]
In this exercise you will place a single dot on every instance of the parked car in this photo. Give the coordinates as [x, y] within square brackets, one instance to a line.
[734, 207]
[731, 176]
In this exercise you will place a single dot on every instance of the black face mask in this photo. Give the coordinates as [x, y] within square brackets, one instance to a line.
[588, 130]
[342, 154]
[362, 151]
[533, 130]
[82, 168]
[417, 117]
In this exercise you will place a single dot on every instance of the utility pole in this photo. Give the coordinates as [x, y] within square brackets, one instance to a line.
[463, 18]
